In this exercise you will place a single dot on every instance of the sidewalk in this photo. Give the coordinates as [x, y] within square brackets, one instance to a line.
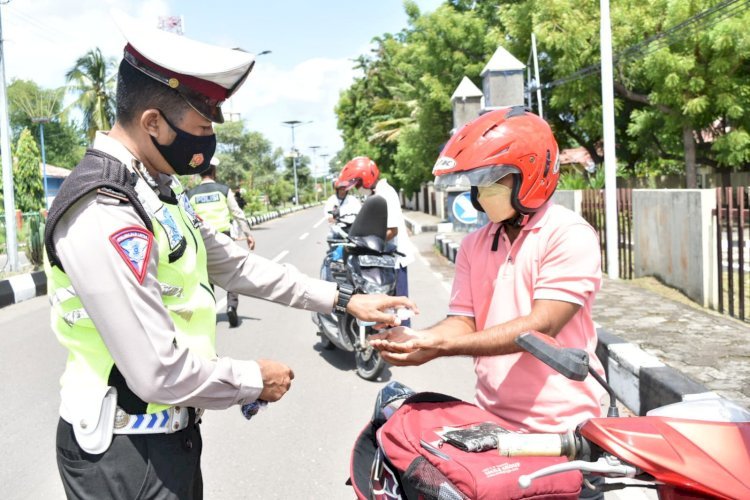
[656, 350]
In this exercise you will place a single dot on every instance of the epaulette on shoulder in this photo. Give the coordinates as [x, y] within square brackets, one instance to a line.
[112, 193]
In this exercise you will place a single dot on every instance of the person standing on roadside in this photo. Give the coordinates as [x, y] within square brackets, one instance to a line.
[216, 205]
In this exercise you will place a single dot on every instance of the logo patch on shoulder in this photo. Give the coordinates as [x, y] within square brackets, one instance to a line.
[134, 246]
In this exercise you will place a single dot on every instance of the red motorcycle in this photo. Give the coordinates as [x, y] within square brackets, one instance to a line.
[689, 450]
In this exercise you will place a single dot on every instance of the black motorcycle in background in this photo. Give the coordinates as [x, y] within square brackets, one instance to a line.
[364, 260]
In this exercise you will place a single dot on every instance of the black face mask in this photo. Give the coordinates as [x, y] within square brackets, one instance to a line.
[188, 154]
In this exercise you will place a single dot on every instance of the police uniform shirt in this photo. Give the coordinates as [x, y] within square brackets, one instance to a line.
[130, 316]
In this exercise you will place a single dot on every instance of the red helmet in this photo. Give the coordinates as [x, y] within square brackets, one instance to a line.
[360, 171]
[337, 184]
[501, 142]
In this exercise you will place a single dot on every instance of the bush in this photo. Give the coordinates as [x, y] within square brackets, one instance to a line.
[35, 241]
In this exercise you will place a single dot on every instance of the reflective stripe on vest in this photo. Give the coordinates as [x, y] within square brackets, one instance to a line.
[185, 294]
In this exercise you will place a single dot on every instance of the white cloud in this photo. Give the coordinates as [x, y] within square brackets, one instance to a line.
[43, 39]
[307, 92]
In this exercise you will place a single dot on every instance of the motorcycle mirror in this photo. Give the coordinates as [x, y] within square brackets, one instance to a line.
[572, 363]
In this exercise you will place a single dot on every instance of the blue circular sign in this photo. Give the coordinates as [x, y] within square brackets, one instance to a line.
[463, 210]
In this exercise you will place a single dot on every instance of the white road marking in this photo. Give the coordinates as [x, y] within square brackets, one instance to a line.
[437, 275]
[280, 256]
[424, 261]
[321, 221]
[304, 236]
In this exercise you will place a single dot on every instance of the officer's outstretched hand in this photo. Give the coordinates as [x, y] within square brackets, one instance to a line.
[250, 242]
[374, 308]
[277, 378]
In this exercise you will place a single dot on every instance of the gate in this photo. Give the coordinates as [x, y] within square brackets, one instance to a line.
[731, 215]
[593, 210]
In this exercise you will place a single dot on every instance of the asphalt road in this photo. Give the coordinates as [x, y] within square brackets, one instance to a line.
[299, 447]
[296, 448]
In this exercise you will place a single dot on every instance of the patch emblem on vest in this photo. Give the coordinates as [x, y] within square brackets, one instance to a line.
[134, 246]
[166, 220]
[188, 208]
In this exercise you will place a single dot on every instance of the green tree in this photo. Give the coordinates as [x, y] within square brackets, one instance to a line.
[280, 192]
[27, 178]
[681, 100]
[399, 111]
[246, 156]
[681, 81]
[92, 80]
[64, 144]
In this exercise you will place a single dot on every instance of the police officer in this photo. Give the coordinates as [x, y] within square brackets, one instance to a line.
[216, 205]
[129, 266]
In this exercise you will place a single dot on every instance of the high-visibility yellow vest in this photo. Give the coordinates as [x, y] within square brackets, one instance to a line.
[183, 277]
[209, 201]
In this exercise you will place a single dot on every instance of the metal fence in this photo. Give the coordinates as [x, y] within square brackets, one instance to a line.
[593, 210]
[731, 217]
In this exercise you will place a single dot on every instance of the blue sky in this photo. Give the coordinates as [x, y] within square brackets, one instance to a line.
[312, 44]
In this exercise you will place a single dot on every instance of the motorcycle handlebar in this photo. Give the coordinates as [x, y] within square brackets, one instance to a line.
[537, 445]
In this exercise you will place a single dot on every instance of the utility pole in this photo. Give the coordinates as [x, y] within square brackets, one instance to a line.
[11, 244]
[293, 124]
[536, 76]
[610, 159]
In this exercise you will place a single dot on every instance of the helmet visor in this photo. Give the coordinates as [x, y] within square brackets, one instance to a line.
[348, 183]
[483, 176]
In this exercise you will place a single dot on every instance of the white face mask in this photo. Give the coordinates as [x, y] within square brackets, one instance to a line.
[364, 192]
[495, 200]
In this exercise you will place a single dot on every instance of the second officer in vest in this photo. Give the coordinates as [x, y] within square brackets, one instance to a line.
[216, 205]
[128, 272]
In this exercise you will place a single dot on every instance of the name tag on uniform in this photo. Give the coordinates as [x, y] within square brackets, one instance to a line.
[206, 198]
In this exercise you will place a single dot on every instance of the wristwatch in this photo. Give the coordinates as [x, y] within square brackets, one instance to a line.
[345, 295]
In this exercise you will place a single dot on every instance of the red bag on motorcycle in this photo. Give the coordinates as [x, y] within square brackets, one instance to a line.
[418, 459]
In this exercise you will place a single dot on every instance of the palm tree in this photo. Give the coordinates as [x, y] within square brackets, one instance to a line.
[93, 80]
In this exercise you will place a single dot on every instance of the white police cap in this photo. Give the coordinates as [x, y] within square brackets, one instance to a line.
[204, 75]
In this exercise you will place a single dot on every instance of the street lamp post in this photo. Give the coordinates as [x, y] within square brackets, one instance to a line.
[294, 124]
[325, 177]
[237, 116]
[315, 167]
[42, 121]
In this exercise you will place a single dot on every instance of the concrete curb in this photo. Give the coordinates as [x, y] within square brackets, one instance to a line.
[417, 227]
[27, 286]
[640, 380]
